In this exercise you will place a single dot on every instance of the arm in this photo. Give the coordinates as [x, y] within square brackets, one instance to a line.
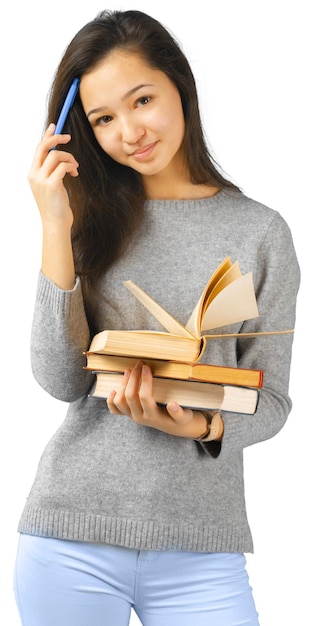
[46, 180]
[276, 282]
[60, 334]
[60, 331]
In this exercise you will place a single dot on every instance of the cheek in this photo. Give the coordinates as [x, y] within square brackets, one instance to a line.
[169, 126]
[174, 121]
[106, 142]
[175, 130]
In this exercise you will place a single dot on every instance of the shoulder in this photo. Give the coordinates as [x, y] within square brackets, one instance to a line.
[238, 201]
[252, 214]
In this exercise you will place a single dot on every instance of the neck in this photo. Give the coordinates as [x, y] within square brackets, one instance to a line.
[181, 192]
[177, 187]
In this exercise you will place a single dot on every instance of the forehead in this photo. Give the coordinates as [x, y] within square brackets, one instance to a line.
[117, 77]
[119, 72]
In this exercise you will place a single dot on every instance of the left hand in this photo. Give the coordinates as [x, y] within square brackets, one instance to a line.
[134, 398]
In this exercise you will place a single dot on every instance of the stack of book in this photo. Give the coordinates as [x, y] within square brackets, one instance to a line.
[173, 356]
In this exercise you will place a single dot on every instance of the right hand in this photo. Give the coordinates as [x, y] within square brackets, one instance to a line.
[46, 178]
[134, 398]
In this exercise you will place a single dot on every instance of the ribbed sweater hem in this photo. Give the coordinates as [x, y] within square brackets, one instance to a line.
[140, 535]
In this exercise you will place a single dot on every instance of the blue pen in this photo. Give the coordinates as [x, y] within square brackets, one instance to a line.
[69, 100]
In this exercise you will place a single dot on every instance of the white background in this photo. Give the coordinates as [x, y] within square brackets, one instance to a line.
[252, 62]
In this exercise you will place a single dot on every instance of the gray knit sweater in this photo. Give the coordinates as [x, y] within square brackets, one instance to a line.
[102, 477]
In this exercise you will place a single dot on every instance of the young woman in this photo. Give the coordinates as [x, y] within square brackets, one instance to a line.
[134, 504]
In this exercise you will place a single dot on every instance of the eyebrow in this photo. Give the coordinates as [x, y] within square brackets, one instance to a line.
[126, 95]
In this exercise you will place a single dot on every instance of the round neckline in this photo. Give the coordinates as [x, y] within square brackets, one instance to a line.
[187, 201]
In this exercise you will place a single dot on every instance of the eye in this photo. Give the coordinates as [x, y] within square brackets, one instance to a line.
[143, 100]
[103, 120]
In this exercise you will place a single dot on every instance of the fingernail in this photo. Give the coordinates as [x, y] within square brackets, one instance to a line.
[174, 406]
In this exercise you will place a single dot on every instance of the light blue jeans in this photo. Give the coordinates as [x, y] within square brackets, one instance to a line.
[66, 583]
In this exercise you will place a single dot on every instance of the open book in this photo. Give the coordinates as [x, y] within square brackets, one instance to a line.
[190, 393]
[228, 298]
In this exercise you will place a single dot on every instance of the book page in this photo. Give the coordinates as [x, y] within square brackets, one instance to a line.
[168, 322]
[232, 274]
[240, 400]
[195, 321]
[235, 303]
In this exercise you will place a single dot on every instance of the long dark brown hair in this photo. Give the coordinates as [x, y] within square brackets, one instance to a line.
[107, 198]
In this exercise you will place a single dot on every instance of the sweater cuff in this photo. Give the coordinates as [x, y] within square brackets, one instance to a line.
[210, 448]
[59, 301]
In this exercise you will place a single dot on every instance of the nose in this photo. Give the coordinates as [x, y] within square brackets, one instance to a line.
[131, 131]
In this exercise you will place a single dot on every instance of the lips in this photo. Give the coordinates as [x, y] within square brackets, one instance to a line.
[144, 152]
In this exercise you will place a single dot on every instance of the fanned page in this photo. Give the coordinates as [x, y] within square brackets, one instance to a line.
[195, 321]
[170, 323]
[233, 273]
[235, 303]
[227, 298]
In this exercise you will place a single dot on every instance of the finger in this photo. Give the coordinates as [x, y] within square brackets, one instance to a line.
[60, 162]
[50, 140]
[50, 130]
[116, 401]
[47, 182]
[53, 140]
[132, 392]
[179, 414]
[111, 404]
[45, 161]
[141, 381]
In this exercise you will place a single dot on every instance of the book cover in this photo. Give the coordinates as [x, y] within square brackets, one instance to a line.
[178, 369]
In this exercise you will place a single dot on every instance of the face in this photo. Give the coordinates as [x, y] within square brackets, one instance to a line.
[135, 112]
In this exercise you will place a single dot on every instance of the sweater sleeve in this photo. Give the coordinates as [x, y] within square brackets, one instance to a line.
[59, 336]
[277, 278]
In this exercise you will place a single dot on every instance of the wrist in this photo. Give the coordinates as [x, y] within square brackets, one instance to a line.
[214, 427]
